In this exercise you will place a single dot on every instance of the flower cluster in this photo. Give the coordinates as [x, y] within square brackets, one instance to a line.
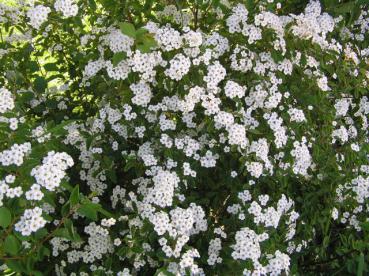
[31, 221]
[52, 170]
[38, 15]
[6, 100]
[67, 7]
[15, 155]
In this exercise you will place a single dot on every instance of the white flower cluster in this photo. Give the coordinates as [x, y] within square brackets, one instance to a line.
[237, 135]
[233, 89]
[247, 245]
[168, 38]
[296, 115]
[52, 170]
[179, 67]
[38, 15]
[303, 160]
[358, 190]
[313, 25]
[144, 64]
[119, 42]
[34, 193]
[40, 135]
[180, 17]
[142, 93]
[67, 7]
[216, 73]
[254, 168]
[118, 72]
[215, 246]
[163, 191]
[7, 191]
[6, 100]
[15, 155]
[30, 222]
[99, 244]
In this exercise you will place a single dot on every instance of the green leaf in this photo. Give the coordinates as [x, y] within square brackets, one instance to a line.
[5, 217]
[92, 4]
[71, 233]
[130, 164]
[254, 131]
[25, 97]
[74, 196]
[112, 175]
[67, 186]
[59, 128]
[105, 213]
[33, 66]
[42, 252]
[62, 233]
[41, 233]
[149, 41]
[89, 210]
[11, 245]
[143, 48]
[15, 265]
[118, 57]
[360, 266]
[65, 208]
[40, 84]
[51, 67]
[141, 31]
[128, 29]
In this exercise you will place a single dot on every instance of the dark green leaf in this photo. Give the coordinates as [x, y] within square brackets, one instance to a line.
[51, 67]
[74, 196]
[360, 266]
[33, 66]
[89, 210]
[15, 265]
[11, 245]
[40, 84]
[118, 57]
[5, 217]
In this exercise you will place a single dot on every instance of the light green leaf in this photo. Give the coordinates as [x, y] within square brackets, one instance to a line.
[141, 31]
[128, 29]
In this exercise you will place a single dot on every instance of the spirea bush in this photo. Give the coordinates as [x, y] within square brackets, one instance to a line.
[198, 137]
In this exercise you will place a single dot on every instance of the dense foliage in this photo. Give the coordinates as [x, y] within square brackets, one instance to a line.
[198, 137]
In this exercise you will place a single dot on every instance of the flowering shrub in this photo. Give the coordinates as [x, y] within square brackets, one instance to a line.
[184, 137]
